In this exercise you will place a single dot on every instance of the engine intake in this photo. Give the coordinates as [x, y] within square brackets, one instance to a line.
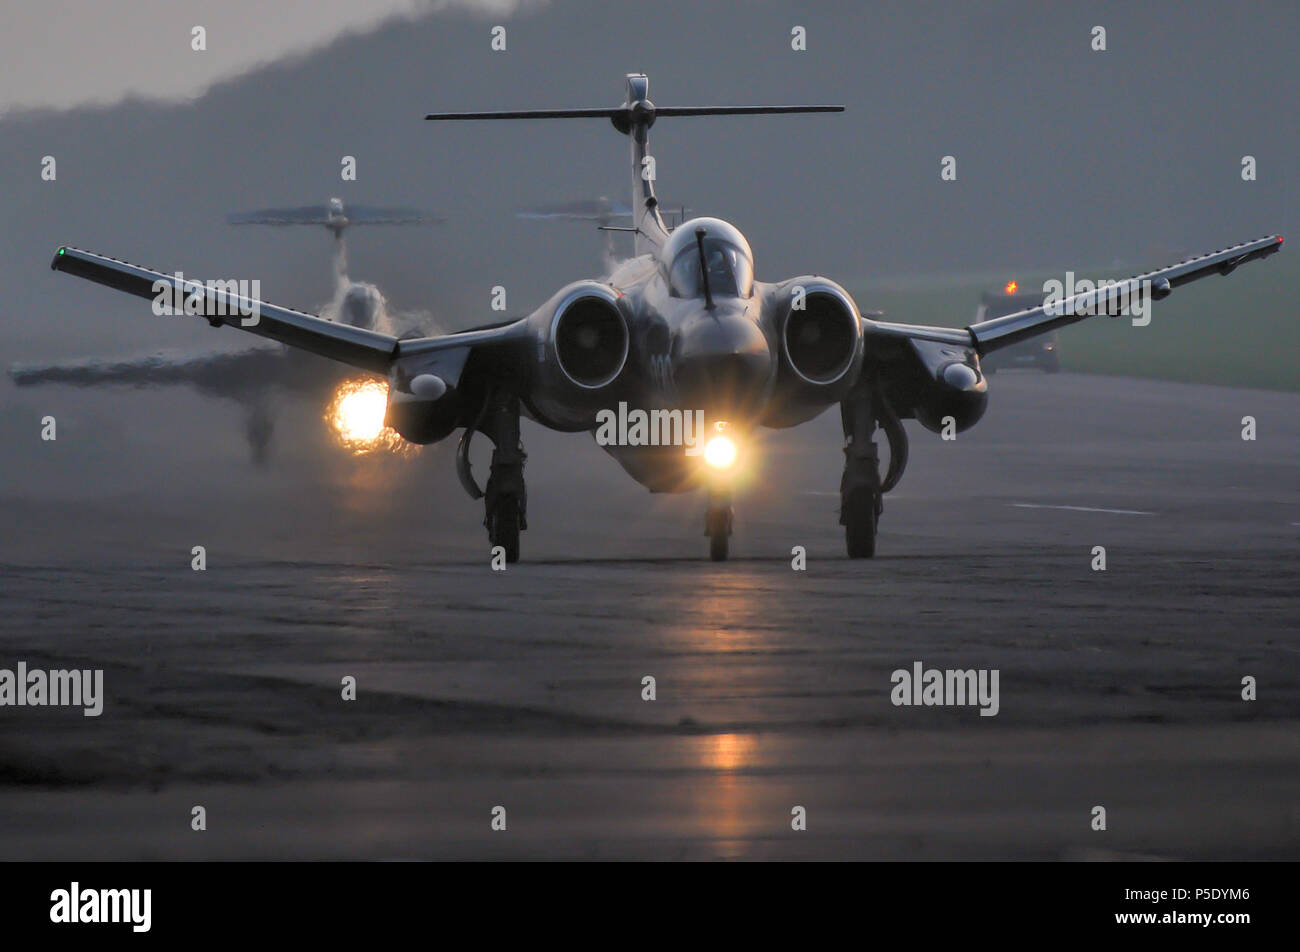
[821, 339]
[821, 346]
[583, 345]
[591, 341]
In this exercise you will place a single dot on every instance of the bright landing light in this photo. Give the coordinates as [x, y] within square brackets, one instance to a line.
[720, 452]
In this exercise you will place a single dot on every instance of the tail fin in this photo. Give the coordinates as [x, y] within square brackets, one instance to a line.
[633, 119]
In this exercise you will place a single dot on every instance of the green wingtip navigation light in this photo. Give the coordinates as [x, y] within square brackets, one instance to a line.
[61, 250]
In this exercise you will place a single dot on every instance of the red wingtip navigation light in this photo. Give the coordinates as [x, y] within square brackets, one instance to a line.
[1011, 287]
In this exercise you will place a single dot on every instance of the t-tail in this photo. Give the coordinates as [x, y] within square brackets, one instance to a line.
[337, 218]
[634, 119]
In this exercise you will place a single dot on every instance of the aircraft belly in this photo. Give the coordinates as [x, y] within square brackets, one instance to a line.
[660, 469]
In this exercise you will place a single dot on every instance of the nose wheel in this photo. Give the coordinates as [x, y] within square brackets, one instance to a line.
[859, 512]
[717, 525]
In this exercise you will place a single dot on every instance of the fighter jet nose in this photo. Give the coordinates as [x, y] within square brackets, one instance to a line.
[723, 365]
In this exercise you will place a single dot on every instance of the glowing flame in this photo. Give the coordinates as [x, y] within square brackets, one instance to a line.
[356, 414]
[1011, 287]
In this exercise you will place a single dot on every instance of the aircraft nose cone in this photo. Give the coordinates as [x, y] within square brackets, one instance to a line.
[723, 365]
[360, 306]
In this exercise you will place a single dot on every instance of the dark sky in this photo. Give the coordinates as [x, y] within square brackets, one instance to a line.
[69, 52]
[1066, 157]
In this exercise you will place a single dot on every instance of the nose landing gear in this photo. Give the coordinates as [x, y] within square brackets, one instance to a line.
[717, 524]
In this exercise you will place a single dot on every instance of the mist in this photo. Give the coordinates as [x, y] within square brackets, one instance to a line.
[1064, 156]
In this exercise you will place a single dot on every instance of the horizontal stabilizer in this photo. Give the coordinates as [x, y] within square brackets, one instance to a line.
[581, 210]
[620, 112]
[334, 215]
[637, 113]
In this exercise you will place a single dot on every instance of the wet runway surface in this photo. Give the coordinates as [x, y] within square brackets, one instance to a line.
[523, 688]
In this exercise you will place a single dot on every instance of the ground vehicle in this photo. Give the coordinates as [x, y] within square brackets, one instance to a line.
[1043, 352]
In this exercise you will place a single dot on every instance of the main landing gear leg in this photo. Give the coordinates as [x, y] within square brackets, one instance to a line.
[717, 523]
[506, 499]
[861, 499]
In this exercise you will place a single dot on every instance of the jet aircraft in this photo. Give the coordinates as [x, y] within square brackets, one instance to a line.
[251, 376]
[684, 326]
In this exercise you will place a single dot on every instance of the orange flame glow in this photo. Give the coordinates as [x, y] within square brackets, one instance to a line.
[356, 415]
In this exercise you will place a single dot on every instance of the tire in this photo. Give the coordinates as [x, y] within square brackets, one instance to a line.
[860, 524]
[718, 545]
[504, 530]
[1051, 364]
[719, 526]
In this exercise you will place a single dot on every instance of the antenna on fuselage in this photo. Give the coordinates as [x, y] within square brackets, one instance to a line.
[704, 268]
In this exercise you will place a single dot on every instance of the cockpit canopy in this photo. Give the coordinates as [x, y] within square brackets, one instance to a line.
[727, 256]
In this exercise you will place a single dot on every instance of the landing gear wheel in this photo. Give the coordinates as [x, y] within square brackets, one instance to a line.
[503, 526]
[1051, 364]
[717, 526]
[505, 497]
[861, 491]
[859, 518]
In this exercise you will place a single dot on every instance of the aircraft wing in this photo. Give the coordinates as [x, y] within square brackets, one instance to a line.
[989, 336]
[225, 374]
[512, 332]
[342, 342]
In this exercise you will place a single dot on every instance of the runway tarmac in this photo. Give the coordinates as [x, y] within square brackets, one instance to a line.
[523, 689]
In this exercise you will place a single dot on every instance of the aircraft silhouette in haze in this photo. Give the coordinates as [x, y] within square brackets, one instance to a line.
[252, 377]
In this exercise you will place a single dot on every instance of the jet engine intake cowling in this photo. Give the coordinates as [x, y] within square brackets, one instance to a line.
[584, 343]
[820, 349]
[821, 339]
[590, 339]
